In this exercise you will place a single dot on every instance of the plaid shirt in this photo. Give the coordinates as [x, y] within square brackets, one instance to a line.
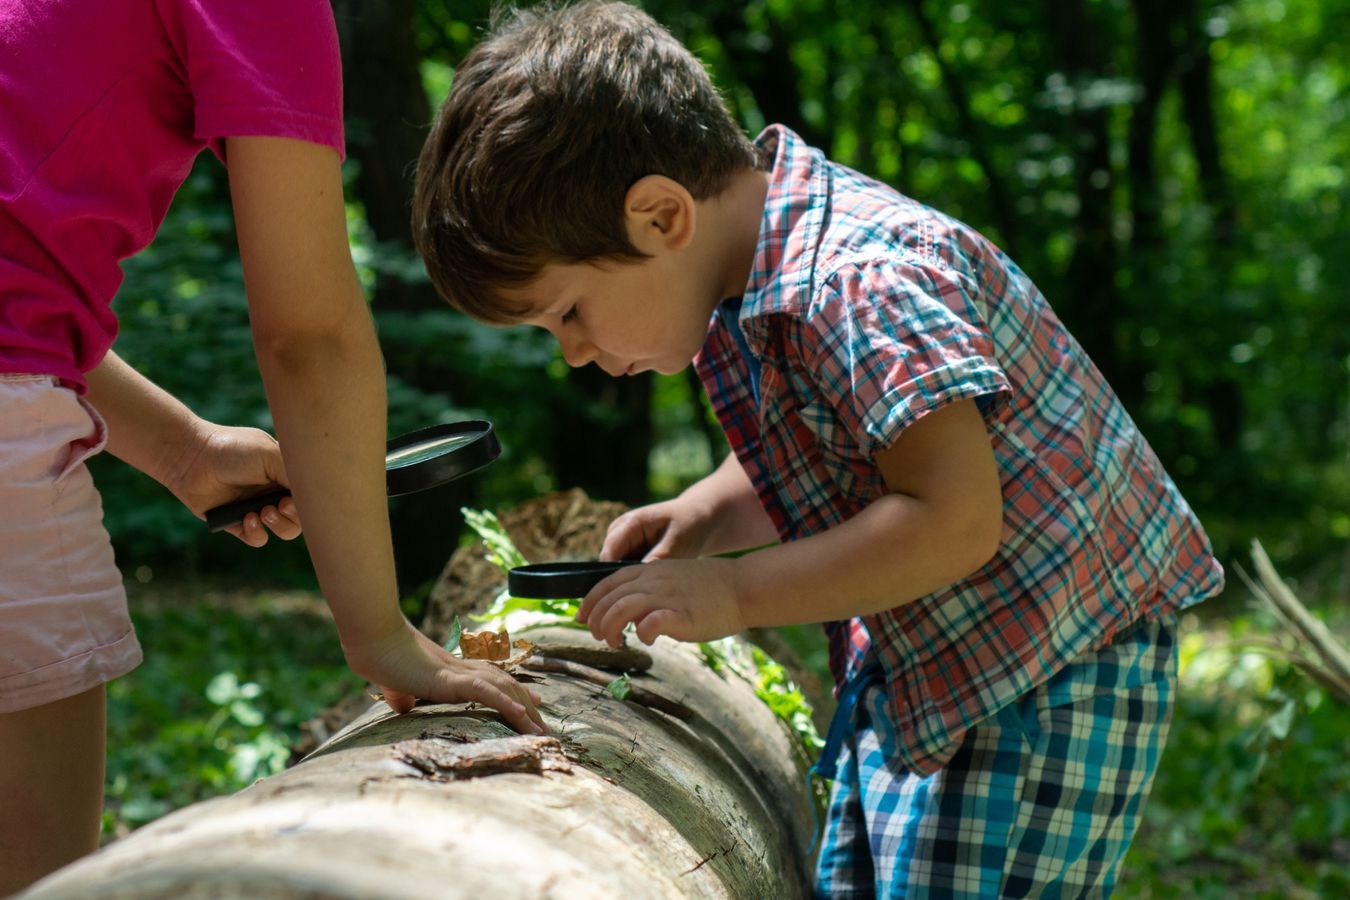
[866, 310]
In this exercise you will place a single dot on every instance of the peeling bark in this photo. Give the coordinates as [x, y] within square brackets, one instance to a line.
[620, 800]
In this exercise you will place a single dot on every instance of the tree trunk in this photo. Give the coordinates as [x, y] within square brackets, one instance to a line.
[603, 438]
[690, 788]
[1079, 38]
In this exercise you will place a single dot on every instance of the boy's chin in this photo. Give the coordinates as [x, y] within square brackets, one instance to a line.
[671, 368]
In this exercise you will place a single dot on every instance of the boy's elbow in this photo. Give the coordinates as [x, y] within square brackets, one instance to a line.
[987, 542]
[982, 536]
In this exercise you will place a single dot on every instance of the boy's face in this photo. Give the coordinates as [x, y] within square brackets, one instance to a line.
[626, 317]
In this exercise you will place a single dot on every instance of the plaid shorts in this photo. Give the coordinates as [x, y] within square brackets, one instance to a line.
[1041, 800]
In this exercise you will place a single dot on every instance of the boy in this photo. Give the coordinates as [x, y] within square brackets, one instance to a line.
[996, 553]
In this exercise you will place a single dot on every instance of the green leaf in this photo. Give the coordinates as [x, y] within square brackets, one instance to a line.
[1279, 724]
[501, 551]
[223, 688]
[246, 714]
[456, 629]
[620, 688]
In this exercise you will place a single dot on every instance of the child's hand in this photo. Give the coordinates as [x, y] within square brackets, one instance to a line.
[226, 464]
[686, 599]
[409, 666]
[665, 530]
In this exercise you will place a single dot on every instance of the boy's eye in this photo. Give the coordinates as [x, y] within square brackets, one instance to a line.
[570, 315]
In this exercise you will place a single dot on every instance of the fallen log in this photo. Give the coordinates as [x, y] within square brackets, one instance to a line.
[701, 794]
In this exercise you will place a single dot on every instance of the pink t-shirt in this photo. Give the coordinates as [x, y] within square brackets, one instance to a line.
[104, 104]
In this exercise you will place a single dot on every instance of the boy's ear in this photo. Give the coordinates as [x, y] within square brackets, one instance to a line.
[660, 214]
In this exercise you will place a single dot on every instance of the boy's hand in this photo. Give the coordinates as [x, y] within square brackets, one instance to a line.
[224, 464]
[685, 599]
[666, 530]
[409, 666]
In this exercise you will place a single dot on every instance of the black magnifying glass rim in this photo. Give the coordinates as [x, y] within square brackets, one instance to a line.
[560, 580]
[482, 448]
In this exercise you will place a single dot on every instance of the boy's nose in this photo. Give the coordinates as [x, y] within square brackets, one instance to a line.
[578, 352]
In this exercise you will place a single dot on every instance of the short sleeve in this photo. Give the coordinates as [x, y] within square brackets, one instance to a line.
[891, 341]
[259, 68]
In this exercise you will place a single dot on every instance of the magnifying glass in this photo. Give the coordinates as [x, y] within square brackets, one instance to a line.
[561, 580]
[422, 459]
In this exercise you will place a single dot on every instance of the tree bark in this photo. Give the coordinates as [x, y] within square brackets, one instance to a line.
[704, 799]
[1079, 40]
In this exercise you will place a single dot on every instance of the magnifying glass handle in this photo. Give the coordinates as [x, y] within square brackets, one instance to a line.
[222, 517]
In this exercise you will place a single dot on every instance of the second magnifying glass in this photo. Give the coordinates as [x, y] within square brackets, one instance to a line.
[413, 462]
[558, 580]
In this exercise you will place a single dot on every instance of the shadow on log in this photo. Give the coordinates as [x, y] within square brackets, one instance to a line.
[705, 799]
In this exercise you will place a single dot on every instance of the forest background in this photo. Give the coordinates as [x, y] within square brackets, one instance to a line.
[1172, 173]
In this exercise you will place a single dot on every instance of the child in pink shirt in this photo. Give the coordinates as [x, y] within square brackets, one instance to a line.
[103, 107]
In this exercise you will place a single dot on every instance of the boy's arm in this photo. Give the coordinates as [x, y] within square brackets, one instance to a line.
[717, 513]
[942, 521]
[738, 520]
[324, 375]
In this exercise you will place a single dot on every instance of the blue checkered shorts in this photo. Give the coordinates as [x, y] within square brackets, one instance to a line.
[1041, 800]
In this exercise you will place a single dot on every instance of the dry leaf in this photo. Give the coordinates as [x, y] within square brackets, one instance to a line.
[489, 645]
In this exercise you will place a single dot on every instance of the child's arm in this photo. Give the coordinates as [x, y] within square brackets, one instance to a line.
[718, 513]
[324, 375]
[203, 464]
[941, 522]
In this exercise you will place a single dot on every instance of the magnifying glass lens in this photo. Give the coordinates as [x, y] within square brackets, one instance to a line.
[413, 462]
[428, 449]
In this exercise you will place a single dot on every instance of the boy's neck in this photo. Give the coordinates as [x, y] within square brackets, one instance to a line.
[729, 224]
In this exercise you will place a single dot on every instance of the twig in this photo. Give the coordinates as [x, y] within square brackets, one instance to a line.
[1332, 668]
[638, 694]
[622, 659]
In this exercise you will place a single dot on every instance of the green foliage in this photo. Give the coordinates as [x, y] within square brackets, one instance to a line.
[1253, 794]
[770, 681]
[501, 550]
[515, 612]
[218, 702]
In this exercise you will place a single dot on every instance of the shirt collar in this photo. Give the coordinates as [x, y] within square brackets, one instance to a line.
[789, 233]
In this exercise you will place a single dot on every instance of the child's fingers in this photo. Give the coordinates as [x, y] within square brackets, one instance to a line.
[656, 623]
[602, 590]
[283, 526]
[629, 608]
[622, 540]
[594, 607]
[250, 530]
[480, 688]
[398, 701]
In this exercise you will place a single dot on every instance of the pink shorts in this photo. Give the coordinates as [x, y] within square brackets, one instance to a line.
[64, 626]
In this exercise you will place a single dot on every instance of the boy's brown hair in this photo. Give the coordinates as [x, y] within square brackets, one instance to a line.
[548, 123]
